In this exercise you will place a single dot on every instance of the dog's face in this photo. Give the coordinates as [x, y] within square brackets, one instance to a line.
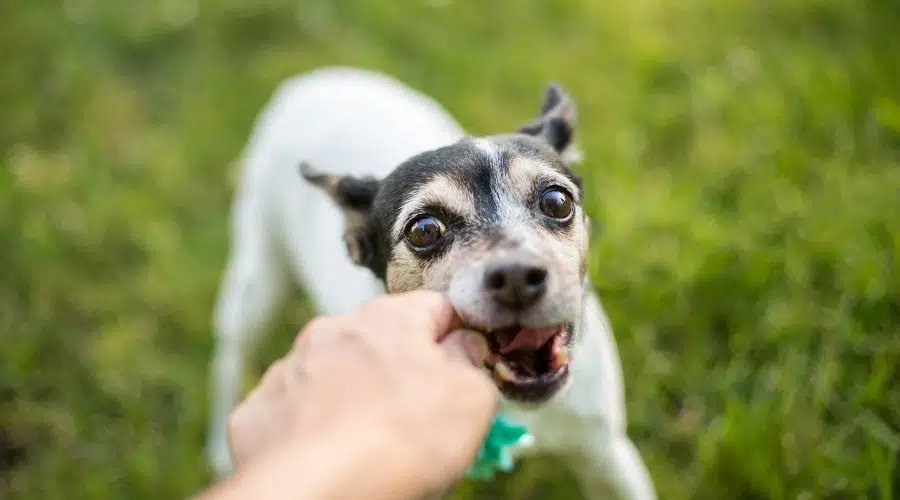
[496, 223]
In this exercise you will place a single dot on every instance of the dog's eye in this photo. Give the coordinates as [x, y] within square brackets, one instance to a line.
[424, 232]
[556, 203]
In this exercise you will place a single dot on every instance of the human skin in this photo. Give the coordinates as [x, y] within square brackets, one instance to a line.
[387, 402]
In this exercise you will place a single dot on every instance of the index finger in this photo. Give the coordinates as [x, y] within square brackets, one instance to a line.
[425, 312]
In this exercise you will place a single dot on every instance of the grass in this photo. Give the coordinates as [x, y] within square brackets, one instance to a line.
[744, 161]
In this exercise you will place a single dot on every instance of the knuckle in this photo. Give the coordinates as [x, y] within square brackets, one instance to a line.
[236, 421]
[272, 373]
[385, 315]
[386, 308]
[412, 312]
[318, 323]
[318, 327]
[379, 303]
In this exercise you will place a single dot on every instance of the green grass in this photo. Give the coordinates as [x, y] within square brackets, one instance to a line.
[743, 160]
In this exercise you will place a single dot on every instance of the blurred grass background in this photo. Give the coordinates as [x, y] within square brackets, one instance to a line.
[744, 165]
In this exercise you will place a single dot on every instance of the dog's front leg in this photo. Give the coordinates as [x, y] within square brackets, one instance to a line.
[612, 468]
[254, 287]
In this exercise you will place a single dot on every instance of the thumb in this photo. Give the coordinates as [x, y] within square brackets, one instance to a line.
[466, 345]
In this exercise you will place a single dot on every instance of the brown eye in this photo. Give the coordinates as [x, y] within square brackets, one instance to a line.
[424, 232]
[557, 204]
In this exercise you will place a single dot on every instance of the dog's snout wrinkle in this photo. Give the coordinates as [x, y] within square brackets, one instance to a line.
[516, 284]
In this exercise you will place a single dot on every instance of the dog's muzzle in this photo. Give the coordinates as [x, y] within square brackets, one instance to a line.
[528, 363]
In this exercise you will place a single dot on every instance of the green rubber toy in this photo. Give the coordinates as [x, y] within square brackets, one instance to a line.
[496, 452]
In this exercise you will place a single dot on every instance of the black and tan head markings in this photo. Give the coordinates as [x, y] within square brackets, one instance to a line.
[473, 187]
[496, 185]
[451, 218]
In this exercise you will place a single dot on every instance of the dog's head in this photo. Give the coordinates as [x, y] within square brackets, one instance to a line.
[497, 224]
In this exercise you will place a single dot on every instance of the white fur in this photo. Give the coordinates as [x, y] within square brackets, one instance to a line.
[284, 230]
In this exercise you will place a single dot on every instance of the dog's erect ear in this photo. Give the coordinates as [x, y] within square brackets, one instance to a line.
[556, 123]
[354, 196]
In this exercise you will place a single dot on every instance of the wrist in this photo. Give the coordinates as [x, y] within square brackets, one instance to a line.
[350, 461]
[346, 461]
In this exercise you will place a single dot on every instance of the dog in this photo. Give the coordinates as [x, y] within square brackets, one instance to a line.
[354, 185]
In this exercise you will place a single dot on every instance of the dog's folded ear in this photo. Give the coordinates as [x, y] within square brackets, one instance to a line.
[354, 196]
[556, 123]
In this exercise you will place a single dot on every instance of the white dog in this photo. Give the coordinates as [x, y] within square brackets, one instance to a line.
[393, 195]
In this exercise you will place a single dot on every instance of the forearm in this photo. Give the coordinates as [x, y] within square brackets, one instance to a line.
[331, 466]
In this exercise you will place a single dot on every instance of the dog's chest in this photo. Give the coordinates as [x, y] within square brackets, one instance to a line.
[559, 427]
[593, 405]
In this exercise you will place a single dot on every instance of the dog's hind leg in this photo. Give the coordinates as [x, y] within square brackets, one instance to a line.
[613, 469]
[255, 284]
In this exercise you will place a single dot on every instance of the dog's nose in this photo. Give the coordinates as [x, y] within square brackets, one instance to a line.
[516, 285]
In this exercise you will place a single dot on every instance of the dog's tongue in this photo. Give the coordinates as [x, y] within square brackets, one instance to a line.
[527, 338]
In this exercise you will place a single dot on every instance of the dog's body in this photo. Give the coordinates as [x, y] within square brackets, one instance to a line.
[353, 128]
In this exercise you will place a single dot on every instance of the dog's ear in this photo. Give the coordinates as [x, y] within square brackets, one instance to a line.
[355, 197]
[556, 123]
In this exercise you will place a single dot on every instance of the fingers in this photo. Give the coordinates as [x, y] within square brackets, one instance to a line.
[255, 410]
[317, 324]
[467, 346]
[471, 348]
[423, 312]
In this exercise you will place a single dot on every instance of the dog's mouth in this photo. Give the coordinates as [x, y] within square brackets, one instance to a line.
[529, 364]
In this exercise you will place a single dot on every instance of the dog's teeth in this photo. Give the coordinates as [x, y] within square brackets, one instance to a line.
[504, 372]
[560, 357]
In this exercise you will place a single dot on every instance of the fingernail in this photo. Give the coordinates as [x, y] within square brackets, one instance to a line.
[476, 346]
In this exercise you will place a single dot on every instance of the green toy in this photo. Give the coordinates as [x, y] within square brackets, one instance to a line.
[496, 452]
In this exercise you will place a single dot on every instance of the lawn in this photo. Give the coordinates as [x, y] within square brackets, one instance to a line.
[743, 165]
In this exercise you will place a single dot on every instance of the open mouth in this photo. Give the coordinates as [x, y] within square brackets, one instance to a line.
[529, 363]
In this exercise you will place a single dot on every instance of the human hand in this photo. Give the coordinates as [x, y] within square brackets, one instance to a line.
[386, 386]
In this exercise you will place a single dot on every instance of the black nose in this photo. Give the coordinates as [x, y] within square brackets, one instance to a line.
[516, 285]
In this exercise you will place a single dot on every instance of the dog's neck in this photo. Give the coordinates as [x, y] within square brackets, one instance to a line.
[596, 387]
[581, 326]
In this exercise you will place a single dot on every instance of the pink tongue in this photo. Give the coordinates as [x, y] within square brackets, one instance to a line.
[530, 338]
